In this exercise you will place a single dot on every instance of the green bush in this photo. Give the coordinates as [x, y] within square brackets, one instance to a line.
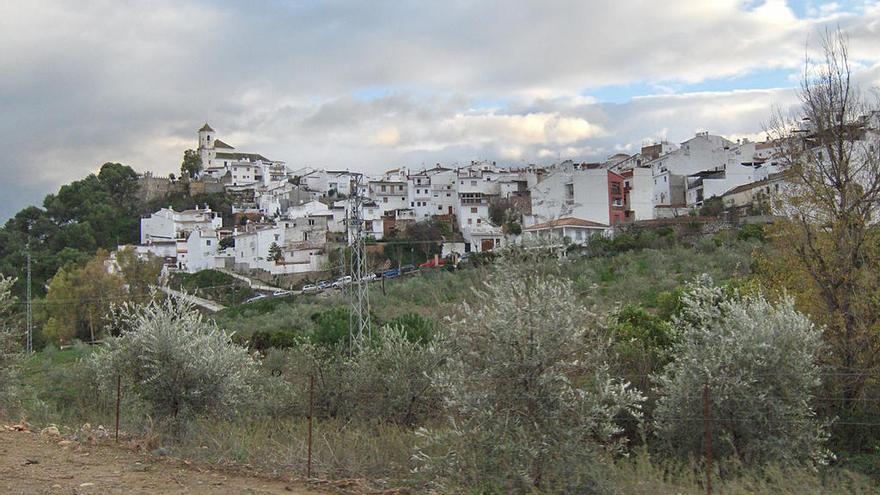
[9, 347]
[751, 231]
[416, 327]
[331, 327]
[712, 207]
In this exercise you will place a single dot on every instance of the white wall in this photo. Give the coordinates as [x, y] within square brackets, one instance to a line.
[589, 201]
[641, 194]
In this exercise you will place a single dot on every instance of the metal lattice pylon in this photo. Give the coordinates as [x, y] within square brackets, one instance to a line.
[359, 319]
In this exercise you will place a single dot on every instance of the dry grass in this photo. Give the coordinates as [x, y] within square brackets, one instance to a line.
[280, 447]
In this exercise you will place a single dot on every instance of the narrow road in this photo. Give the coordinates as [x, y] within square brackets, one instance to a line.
[198, 301]
[253, 284]
[34, 464]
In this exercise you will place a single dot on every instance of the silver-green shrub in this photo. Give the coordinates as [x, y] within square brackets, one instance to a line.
[530, 401]
[758, 363]
[389, 379]
[178, 363]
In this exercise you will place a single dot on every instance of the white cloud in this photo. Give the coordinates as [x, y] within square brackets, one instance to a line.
[85, 83]
[388, 136]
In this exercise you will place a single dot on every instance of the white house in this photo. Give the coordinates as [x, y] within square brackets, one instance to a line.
[563, 230]
[201, 251]
[168, 225]
[301, 241]
[594, 195]
[638, 186]
[444, 193]
[702, 153]
[388, 194]
[303, 210]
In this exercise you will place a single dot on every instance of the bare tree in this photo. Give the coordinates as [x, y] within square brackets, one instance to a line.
[825, 250]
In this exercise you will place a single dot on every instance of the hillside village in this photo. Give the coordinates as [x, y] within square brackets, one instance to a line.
[287, 221]
[695, 315]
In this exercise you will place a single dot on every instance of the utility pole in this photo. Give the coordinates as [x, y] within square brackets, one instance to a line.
[30, 313]
[359, 320]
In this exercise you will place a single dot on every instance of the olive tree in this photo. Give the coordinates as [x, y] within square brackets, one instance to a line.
[388, 379]
[175, 361]
[530, 401]
[756, 363]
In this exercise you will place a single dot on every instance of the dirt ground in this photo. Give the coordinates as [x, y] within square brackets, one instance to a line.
[31, 463]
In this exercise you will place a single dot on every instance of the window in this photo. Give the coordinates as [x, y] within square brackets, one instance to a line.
[615, 188]
[447, 195]
[383, 188]
[276, 237]
[473, 210]
[470, 221]
[664, 178]
[473, 183]
[569, 194]
[311, 221]
[208, 242]
[400, 188]
[479, 221]
[385, 199]
[440, 208]
[411, 204]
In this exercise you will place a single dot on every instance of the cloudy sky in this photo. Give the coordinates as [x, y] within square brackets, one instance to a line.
[378, 84]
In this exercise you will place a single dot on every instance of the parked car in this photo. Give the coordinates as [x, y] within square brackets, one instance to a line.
[370, 277]
[342, 282]
[310, 288]
[324, 284]
[391, 273]
[279, 293]
[407, 269]
[256, 298]
[431, 264]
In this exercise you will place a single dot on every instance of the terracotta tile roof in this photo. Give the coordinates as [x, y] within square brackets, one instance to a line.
[751, 185]
[221, 144]
[206, 127]
[566, 222]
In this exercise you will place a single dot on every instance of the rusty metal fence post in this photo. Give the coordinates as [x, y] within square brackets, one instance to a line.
[311, 410]
[118, 395]
[707, 441]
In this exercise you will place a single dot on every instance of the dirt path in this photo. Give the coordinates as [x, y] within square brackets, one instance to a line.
[34, 464]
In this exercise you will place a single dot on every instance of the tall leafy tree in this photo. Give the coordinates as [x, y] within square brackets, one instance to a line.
[79, 301]
[191, 165]
[826, 252]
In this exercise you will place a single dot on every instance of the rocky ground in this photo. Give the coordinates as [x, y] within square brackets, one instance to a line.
[45, 463]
